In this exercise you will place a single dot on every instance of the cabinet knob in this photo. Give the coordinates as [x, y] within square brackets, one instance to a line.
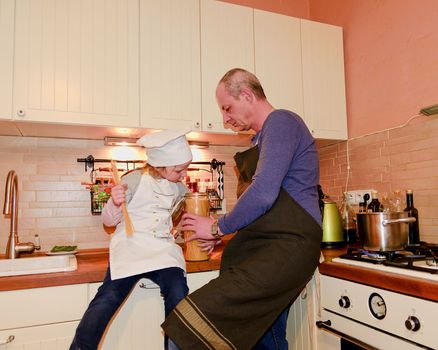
[197, 124]
[412, 323]
[9, 339]
[209, 125]
[21, 112]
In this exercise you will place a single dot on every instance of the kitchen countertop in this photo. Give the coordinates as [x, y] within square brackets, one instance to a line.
[413, 286]
[92, 265]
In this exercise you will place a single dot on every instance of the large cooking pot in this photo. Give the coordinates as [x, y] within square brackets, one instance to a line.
[383, 231]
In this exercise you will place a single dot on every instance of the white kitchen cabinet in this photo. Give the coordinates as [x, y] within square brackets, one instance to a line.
[6, 57]
[137, 324]
[278, 59]
[77, 62]
[323, 80]
[170, 71]
[227, 41]
[41, 318]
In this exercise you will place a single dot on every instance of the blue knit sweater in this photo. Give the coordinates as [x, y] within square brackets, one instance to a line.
[287, 159]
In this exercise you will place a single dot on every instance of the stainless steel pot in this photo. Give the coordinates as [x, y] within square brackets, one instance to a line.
[383, 231]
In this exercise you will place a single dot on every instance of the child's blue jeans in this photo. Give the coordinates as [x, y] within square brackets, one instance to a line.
[111, 294]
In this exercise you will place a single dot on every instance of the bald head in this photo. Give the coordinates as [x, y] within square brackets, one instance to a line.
[237, 79]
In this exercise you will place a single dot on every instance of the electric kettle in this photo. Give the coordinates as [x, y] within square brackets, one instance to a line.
[332, 232]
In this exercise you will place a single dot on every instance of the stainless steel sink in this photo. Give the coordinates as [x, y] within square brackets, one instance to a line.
[41, 264]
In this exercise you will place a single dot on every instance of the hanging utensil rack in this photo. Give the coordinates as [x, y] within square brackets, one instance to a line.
[99, 189]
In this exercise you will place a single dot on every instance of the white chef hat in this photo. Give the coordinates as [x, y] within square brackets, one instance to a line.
[167, 147]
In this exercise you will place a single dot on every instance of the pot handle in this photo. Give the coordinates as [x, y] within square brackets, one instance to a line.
[396, 221]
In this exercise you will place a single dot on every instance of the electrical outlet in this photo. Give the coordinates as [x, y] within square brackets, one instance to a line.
[356, 196]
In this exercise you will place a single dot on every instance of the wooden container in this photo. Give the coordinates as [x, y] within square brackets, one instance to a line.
[195, 203]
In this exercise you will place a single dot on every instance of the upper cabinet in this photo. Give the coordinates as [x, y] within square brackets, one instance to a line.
[77, 62]
[278, 59]
[170, 84]
[227, 41]
[156, 63]
[323, 80]
[6, 57]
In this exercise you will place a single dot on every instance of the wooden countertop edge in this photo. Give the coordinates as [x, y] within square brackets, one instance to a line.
[412, 286]
[92, 266]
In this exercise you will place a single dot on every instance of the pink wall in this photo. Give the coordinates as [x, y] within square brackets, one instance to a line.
[296, 8]
[391, 58]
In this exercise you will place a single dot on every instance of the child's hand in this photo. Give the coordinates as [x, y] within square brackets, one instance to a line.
[118, 194]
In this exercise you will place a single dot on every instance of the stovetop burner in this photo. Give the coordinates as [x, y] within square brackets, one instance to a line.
[423, 257]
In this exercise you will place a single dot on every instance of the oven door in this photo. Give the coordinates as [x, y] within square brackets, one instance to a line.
[341, 333]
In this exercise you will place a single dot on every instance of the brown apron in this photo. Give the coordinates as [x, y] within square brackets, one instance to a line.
[264, 268]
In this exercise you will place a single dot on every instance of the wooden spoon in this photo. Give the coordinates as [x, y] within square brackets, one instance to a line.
[128, 223]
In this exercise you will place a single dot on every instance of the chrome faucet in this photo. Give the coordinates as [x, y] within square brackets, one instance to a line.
[14, 248]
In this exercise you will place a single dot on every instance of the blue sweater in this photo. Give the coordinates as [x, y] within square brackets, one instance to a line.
[287, 159]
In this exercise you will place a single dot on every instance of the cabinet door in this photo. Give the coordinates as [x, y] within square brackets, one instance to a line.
[170, 71]
[137, 323]
[227, 41]
[6, 57]
[49, 337]
[77, 62]
[323, 80]
[278, 59]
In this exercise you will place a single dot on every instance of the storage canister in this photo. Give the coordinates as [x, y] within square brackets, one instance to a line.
[195, 203]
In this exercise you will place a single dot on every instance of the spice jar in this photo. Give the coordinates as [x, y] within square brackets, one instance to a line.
[195, 203]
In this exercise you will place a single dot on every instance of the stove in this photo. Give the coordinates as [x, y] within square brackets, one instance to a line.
[418, 261]
[375, 318]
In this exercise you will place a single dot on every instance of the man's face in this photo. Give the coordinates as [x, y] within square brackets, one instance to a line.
[235, 112]
[174, 173]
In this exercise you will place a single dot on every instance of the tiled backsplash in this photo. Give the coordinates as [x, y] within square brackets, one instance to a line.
[54, 204]
[52, 201]
[401, 158]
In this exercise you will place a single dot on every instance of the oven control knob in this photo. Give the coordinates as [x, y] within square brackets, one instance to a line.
[412, 323]
[344, 302]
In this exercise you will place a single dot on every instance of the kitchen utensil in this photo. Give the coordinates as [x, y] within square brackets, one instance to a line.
[332, 232]
[383, 231]
[129, 227]
[195, 203]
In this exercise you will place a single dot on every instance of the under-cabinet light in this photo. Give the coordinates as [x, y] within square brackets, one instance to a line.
[199, 144]
[120, 141]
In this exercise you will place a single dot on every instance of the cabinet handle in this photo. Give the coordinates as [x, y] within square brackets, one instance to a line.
[209, 125]
[197, 124]
[145, 286]
[21, 112]
[10, 339]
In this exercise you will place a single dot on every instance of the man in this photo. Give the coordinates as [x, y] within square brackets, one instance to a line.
[277, 218]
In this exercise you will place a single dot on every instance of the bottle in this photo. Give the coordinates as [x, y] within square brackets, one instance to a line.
[397, 200]
[414, 232]
[374, 206]
[348, 224]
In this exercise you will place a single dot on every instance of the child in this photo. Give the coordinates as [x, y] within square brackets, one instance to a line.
[151, 252]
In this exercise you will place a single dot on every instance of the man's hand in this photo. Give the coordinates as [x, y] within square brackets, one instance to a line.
[209, 245]
[201, 225]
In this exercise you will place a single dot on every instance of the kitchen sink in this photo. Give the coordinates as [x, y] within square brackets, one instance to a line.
[43, 264]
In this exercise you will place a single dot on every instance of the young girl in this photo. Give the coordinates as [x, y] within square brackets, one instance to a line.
[151, 252]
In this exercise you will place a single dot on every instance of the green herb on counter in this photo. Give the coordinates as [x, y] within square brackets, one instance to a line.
[63, 248]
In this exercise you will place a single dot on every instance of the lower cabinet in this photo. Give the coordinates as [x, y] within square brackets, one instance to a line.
[137, 324]
[41, 318]
[46, 318]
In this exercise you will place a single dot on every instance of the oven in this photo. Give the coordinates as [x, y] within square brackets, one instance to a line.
[355, 316]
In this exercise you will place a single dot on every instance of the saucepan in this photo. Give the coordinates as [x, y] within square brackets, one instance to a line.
[387, 231]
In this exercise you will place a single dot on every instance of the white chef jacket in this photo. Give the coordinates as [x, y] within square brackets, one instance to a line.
[152, 246]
